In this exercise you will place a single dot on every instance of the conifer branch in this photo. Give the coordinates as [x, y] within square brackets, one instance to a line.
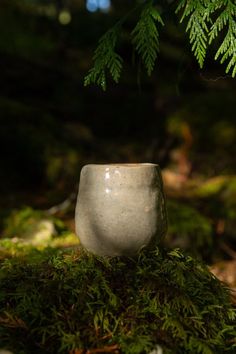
[105, 58]
[206, 20]
[197, 12]
[145, 36]
[226, 19]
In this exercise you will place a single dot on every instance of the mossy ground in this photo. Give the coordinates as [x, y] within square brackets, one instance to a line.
[67, 301]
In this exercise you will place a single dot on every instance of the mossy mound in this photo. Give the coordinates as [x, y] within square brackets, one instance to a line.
[72, 302]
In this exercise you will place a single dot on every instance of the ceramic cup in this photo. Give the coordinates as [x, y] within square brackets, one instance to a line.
[120, 208]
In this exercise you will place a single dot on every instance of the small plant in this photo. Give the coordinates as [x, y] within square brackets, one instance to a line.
[72, 302]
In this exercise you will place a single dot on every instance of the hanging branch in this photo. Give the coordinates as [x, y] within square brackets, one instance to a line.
[201, 27]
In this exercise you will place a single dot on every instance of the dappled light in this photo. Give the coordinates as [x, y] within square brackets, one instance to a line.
[104, 83]
[64, 17]
[95, 5]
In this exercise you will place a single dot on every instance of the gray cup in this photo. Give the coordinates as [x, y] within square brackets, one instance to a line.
[120, 208]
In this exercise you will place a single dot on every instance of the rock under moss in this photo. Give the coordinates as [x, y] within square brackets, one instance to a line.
[72, 302]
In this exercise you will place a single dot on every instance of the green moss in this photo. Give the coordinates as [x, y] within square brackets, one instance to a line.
[188, 229]
[59, 302]
[26, 222]
[213, 187]
[20, 248]
[229, 199]
[219, 196]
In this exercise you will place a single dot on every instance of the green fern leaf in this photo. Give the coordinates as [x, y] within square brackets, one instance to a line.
[105, 58]
[226, 19]
[197, 12]
[145, 36]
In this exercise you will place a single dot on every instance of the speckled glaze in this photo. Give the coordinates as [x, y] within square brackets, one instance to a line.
[120, 208]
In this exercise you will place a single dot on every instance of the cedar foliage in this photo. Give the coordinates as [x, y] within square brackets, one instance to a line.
[73, 302]
[207, 21]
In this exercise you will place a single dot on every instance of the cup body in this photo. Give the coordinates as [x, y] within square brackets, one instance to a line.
[120, 208]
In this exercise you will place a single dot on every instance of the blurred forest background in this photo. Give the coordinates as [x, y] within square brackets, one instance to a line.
[182, 118]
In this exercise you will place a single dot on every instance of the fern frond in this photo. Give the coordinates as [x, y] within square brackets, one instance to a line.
[145, 36]
[105, 58]
[226, 19]
[197, 12]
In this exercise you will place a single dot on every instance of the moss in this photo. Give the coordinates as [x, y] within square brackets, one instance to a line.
[26, 223]
[213, 187]
[229, 199]
[72, 302]
[188, 229]
[218, 195]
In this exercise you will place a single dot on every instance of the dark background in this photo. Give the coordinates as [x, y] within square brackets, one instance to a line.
[181, 117]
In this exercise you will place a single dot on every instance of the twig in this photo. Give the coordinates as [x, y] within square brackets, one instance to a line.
[12, 322]
[62, 206]
[107, 349]
[214, 79]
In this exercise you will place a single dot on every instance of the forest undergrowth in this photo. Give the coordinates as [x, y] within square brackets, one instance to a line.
[68, 301]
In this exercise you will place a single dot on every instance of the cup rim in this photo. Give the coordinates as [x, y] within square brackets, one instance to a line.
[118, 165]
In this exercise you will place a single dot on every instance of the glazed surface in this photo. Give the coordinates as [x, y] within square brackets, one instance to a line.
[120, 208]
